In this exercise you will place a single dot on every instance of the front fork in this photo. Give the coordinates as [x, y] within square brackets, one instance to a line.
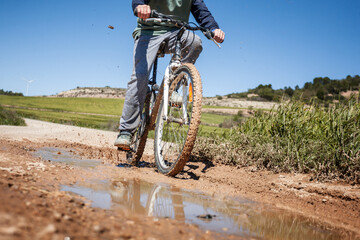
[183, 83]
[167, 81]
[174, 64]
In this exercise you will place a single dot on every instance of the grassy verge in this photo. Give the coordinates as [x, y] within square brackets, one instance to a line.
[297, 138]
[8, 117]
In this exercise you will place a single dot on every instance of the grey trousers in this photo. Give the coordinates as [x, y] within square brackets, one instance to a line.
[145, 50]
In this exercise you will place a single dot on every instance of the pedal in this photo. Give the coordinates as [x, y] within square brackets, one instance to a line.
[124, 149]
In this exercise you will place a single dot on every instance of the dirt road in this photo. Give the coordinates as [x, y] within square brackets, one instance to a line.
[33, 205]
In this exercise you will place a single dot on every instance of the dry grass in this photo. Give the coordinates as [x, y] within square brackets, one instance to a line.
[297, 138]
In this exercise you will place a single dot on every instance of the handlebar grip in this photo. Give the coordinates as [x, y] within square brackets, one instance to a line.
[208, 34]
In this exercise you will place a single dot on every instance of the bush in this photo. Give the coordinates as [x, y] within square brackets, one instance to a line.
[297, 138]
[238, 95]
[232, 122]
[8, 117]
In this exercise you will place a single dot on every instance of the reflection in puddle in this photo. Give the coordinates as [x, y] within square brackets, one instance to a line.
[240, 217]
[63, 156]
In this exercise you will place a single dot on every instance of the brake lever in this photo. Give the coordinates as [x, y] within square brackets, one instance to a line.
[154, 14]
[210, 35]
[217, 44]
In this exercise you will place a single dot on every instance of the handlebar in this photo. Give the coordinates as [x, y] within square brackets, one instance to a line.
[156, 17]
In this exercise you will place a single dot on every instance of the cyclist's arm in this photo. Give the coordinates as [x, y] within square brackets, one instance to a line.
[203, 16]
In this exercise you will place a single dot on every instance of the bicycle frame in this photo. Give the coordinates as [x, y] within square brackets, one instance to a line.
[176, 58]
[171, 115]
[175, 62]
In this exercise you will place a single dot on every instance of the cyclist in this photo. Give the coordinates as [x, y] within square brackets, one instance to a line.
[148, 38]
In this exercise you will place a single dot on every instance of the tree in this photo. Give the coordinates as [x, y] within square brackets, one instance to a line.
[289, 91]
[320, 94]
[307, 85]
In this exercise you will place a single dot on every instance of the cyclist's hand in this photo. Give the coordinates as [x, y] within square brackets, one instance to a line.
[143, 11]
[219, 35]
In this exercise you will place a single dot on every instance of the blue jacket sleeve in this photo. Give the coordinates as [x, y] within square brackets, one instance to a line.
[135, 3]
[202, 15]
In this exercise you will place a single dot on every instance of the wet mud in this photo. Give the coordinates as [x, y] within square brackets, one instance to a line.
[240, 216]
[52, 187]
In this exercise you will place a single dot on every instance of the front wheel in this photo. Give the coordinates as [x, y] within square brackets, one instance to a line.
[175, 136]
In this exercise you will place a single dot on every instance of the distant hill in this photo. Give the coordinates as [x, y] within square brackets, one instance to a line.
[238, 103]
[322, 89]
[93, 92]
[107, 92]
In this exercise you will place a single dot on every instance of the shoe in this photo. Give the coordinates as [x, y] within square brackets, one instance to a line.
[123, 141]
[176, 98]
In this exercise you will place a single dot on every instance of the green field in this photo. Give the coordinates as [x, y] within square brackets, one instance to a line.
[79, 112]
[213, 119]
[83, 105]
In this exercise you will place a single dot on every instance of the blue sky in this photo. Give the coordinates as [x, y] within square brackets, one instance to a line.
[64, 44]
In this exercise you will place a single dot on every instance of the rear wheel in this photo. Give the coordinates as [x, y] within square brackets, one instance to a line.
[176, 135]
[139, 140]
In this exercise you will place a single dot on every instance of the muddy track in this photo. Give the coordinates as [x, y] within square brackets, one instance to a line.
[32, 205]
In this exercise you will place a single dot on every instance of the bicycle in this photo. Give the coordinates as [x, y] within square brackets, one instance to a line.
[178, 118]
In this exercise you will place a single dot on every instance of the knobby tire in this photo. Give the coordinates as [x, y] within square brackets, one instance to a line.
[184, 154]
[141, 140]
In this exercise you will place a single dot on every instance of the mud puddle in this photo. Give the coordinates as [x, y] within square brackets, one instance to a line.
[229, 216]
[63, 156]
